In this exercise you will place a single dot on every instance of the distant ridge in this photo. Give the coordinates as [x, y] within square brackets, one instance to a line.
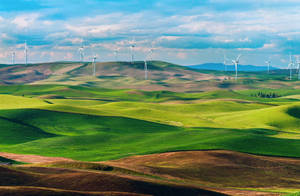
[221, 67]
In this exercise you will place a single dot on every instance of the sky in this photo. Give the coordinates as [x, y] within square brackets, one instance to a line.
[186, 32]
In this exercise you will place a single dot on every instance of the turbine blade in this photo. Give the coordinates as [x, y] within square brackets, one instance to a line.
[238, 58]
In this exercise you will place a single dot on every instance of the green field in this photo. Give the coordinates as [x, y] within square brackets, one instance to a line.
[96, 124]
[62, 111]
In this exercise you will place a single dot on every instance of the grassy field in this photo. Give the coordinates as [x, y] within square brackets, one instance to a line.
[73, 115]
[83, 122]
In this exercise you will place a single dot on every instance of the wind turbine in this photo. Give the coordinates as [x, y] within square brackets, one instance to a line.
[26, 53]
[148, 56]
[116, 52]
[236, 63]
[298, 67]
[151, 53]
[93, 60]
[81, 53]
[146, 69]
[290, 67]
[268, 62]
[225, 62]
[132, 46]
[94, 65]
[13, 55]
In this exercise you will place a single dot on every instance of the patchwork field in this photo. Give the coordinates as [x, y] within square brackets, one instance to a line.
[73, 136]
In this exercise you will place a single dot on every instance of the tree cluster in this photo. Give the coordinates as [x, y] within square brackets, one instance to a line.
[266, 95]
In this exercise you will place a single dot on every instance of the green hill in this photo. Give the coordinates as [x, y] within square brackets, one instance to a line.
[92, 124]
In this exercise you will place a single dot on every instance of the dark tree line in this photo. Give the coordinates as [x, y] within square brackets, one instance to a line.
[265, 95]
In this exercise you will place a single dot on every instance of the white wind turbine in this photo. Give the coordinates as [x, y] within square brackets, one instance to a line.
[26, 53]
[132, 46]
[148, 56]
[146, 69]
[268, 62]
[151, 53]
[93, 60]
[290, 67]
[225, 62]
[81, 53]
[94, 65]
[116, 52]
[298, 67]
[13, 55]
[236, 63]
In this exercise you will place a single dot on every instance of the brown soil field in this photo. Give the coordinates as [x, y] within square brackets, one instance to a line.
[31, 158]
[40, 191]
[218, 168]
[172, 173]
[70, 181]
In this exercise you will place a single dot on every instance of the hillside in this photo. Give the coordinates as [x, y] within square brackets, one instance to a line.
[205, 167]
[143, 141]
[37, 181]
[161, 76]
[88, 120]
[221, 67]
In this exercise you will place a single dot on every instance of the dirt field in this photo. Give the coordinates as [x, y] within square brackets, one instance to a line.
[218, 171]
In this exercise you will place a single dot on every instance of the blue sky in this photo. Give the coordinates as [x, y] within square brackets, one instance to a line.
[185, 32]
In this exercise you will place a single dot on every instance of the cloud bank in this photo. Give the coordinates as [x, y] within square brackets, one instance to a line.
[185, 32]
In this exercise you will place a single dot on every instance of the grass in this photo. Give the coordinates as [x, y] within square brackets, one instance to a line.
[98, 147]
[10, 102]
[95, 124]
[9, 161]
[101, 118]
[294, 194]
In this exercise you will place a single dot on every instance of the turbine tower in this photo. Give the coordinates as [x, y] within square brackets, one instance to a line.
[132, 46]
[236, 63]
[81, 54]
[13, 55]
[290, 67]
[268, 62]
[146, 69]
[26, 53]
[151, 53]
[148, 56]
[94, 65]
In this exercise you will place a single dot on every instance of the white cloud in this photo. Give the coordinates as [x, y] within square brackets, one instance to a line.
[58, 35]
[74, 40]
[169, 38]
[259, 26]
[181, 55]
[269, 46]
[48, 22]
[24, 21]
[97, 30]
[5, 36]
[204, 26]
[224, 39]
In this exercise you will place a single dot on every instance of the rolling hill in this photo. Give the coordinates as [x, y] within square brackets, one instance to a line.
[120, 75]
[117, 118]
[87, 120]
[47, 181]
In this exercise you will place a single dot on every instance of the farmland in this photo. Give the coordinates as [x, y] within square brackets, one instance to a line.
[126, 129]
